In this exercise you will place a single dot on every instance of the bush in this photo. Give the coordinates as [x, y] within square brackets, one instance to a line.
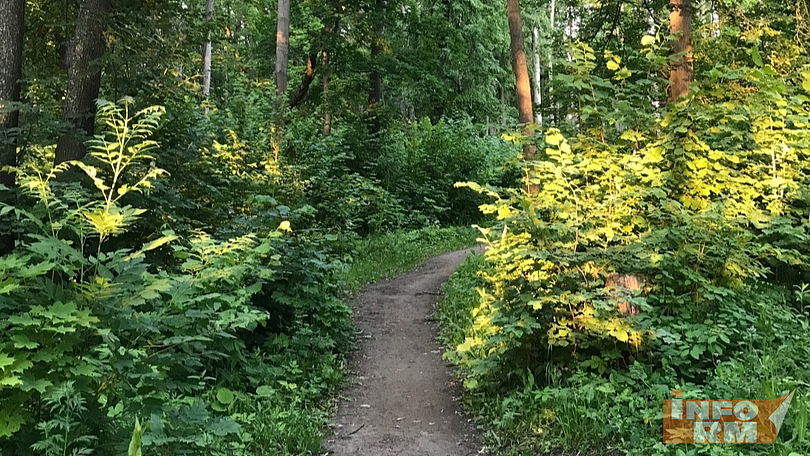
[702, 220]
[101, 335]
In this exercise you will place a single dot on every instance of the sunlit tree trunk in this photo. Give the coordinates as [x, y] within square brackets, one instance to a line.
[83, 77]
[524, 91]
[282, 45]
[206, 58]
[681, 71]
[12, 15]
[538, 76]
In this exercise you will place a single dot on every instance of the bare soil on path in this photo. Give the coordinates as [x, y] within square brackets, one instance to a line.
[403, 399]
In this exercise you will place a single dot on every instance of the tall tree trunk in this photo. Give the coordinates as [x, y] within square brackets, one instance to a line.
[681, 71]
[375, 78]
[524, 91]
[327, 113]
[12, 17]
[83, 77]
[282, 45]
[537, 91]
[206, 57]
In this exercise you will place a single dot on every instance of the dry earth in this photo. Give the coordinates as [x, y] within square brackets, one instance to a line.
[403, 399]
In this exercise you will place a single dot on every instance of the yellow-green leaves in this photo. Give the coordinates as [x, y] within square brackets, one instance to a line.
[554, 137]
[137, 437]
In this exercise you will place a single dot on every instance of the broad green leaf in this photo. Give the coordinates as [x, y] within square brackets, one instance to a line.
[5, 361]
[225, 396]
[265, 391]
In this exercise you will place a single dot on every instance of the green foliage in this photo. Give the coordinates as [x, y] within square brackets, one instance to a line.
[134, 338]
[704, 204]
[404, 180]
[383, 256]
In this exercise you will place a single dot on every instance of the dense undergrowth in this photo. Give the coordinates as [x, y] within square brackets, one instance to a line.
[704, 203]
[204, 306]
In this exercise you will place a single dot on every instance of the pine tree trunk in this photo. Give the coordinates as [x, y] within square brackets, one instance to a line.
[83, 77]
[524, 91]
[206, 57]
[12, 16]
[282, 45]
[681, 71]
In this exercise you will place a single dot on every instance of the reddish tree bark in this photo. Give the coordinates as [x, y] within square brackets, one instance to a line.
[681, 70]
[524, 90]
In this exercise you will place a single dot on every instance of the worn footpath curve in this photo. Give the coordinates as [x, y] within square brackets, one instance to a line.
[403, 399]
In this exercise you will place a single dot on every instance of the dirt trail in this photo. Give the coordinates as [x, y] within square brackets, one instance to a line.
[403, 399]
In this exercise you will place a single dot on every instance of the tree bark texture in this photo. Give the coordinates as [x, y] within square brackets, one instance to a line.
[206, 57]
[12, 17]
[681, 70]
[538, 76]
[83, 77]
[282, 45]
[524, 90]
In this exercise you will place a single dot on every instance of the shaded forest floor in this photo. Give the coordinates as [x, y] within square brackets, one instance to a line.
[402, 399]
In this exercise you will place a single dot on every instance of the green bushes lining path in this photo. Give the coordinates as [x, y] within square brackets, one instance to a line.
[690, 201]
[225, 341]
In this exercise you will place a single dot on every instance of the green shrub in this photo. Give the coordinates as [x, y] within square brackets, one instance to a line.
[702, 218]
[97, 336]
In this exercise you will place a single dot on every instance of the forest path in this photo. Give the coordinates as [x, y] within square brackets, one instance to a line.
[403, 399]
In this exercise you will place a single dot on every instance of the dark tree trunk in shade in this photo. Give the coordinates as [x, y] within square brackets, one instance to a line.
[306, 81]
[83, 77]
[681, 70]
[12, 15]
[375, 93]
[327, 113]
